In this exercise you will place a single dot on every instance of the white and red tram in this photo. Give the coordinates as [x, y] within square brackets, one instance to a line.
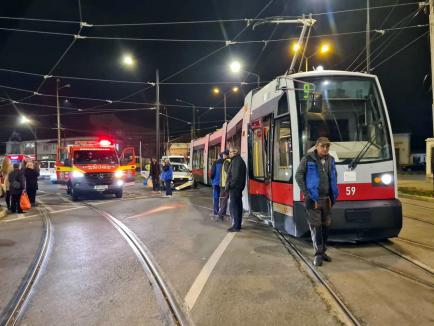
[280, 122]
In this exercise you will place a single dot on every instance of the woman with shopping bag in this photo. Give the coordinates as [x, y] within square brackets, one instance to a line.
[17, 184]
[4, 183]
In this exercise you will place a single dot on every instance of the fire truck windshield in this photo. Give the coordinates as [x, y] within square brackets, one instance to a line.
[95, 157]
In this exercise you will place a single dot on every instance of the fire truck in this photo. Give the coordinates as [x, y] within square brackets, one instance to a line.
[87, 167]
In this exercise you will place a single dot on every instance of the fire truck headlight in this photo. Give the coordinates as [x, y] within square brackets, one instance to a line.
[386, 179]
[120, 183]
[77, 174]
[119, 174]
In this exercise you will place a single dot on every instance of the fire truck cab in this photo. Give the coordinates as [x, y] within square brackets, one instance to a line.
[88, 167]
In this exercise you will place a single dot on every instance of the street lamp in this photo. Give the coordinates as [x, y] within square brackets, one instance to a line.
[58, 108]
[193, 125]
[324, 48]
[217, 91]
[128, 60]
[26, 121]
[236, 67]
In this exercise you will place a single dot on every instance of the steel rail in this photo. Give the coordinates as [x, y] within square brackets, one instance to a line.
[15, 307]
[151, 270]
[294, 251]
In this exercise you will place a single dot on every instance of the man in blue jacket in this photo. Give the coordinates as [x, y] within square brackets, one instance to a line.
[317, 178]
[216, 172]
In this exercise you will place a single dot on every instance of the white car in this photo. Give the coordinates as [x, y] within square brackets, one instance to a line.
[47, 170]
[181, 174]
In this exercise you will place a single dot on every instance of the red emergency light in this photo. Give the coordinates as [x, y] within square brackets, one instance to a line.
[105, 142]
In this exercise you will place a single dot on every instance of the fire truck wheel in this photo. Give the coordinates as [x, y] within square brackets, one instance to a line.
[119, 194]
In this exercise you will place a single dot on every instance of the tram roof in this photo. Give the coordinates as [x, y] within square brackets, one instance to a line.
[329, 73]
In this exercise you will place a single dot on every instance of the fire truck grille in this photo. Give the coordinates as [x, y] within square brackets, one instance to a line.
[105, 178]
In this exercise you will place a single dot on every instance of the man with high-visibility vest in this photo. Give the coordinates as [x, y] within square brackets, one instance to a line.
[224, 195]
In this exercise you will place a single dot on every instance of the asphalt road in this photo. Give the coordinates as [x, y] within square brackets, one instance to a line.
[92, 276]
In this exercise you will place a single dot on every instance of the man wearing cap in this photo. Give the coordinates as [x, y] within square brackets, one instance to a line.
[317, 178]
[216, 171]
[224, 195]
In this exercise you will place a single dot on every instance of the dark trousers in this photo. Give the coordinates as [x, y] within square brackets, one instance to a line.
[168, 187]
[155, 184]
[8, 199]
[15, 203]
[236, 207]
[224, 197]
[216, 198]
[32, 196]
[319, 219]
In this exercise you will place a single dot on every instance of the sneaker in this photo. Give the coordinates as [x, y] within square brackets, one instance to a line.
[317, 261]
[326, 257]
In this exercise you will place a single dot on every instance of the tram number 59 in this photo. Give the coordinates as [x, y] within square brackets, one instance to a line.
[350, 191]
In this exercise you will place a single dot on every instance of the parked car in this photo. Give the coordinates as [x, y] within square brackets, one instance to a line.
[181, 175]
[414, 167]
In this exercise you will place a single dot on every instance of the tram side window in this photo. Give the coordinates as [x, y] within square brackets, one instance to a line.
[213, 155]
[282, 150]
[257, 155]
[283, 105]
[198, 159]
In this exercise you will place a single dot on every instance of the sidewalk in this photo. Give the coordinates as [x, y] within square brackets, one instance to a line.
[418, 181]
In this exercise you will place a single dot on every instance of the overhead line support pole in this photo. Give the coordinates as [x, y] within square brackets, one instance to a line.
[368, 38]
[157, 116]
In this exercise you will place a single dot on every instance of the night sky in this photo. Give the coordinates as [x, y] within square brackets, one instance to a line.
[402, 76]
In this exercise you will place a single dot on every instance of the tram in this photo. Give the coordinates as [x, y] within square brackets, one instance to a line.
[280, 123]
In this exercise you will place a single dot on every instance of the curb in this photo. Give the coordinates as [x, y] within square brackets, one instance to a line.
[415, 197]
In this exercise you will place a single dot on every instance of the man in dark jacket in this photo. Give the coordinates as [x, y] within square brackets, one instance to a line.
[31, 173]
[216, 171]
[317, 178]
[16, 186]
[155, 174]
[235, 184]
[224, 195]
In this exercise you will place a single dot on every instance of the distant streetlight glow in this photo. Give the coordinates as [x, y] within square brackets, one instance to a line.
[325, 48]
[319, 68]
[216, 90]
[128, 60]
[296, 47]
[235, 89]
[24, 120]
[235, 66]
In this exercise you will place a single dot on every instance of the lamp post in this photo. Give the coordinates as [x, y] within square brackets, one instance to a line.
[236, 67]
[26, 121]
[193, 125]
[58, 108]
[217, 91]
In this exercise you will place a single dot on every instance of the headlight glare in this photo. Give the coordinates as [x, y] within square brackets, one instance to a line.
[119, 174]
[386, 179]
[77, 174]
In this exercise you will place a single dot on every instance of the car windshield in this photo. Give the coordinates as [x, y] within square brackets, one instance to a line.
[177, 160]
[349, 111]
[95, 157]
[179, 168]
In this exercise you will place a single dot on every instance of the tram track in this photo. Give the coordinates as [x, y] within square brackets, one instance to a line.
[164, 294]
[419, 220]
[299, 256]
[416, 243]
[14, 309]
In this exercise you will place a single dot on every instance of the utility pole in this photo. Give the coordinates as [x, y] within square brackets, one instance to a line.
[157, 117]
[368, 39]
[58, 112]
[168, 135]
[431, 41]
[224, 103]
[193, 127]
[140, 155]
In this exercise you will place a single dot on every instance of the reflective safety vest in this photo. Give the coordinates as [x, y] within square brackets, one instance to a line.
[225, 169]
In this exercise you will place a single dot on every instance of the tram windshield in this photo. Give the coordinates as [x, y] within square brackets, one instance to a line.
[347, 110]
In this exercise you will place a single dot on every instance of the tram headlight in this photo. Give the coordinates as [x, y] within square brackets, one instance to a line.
[382, 179]
[77, 174]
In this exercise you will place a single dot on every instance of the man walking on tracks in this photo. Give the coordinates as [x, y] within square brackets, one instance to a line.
[224, 195]
[235, 184]
[317, 178]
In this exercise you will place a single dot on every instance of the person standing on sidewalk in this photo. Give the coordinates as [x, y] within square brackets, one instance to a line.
[31, 174]
[317, 178]
[224, 195]
[235, 185]
[7, 168]
[154, 172]
[17, 184]
[216, 171]
[166, 177]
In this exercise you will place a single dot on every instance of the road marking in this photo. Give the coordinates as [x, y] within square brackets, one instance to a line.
[157, 210]
[202, 278]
